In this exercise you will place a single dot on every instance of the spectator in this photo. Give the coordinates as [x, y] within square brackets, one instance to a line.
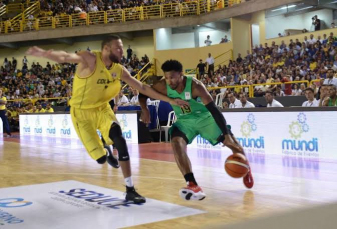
[331, 101]
[134, 100]
[244, 102]
[332, 26]
[201, 69]
[224, 40]
[40, 109]
[317, 23]
[329, 78]
[210, 64]
[296, 91]
[311, 101]
[239, 59]
[122, 100]
[129, 53]
[234, 102]
[271, 102]
[208, 41]
[49, 109]
[288, 90]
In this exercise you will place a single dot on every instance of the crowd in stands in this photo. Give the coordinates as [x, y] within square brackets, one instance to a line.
[58, 7]
[307, 60]
[36, 89]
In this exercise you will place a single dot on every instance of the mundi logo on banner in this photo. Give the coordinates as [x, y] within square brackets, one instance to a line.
[296, 145]
[124, 124]
[51, 126]
[38, 128]
[65, 130]
[248, 130]
[26, 127]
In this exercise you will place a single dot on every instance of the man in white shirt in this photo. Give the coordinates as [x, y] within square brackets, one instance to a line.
[208, 41]
[234, 102]
[210, 65]
[122, 100]
[329, 78]
[310, 95]
[312, 40]
[271, 102]
[134, 100]
[244, 102]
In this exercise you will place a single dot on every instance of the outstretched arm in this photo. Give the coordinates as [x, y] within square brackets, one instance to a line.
[58, 56]
[145, 115]
[199, 90]
[147, 90]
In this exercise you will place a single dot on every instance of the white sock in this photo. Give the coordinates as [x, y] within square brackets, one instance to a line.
[128, 182]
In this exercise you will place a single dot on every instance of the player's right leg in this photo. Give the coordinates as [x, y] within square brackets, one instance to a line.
[179, 142]
[85, 124]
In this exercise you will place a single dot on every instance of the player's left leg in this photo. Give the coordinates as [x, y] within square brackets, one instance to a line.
[112, 133]
[179, 141]
[214, 135]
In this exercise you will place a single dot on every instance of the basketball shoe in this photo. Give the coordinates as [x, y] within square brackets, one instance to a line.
[248, 180]
[192, 192]
[112, 160]
[132, 195]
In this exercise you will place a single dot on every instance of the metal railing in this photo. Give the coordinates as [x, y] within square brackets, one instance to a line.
[141, 73]
[251, 87]
[115, 16]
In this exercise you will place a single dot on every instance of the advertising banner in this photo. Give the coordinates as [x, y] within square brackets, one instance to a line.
[307, 134]
[60, 126]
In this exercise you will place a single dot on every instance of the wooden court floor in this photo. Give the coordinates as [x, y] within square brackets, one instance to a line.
[281, 183]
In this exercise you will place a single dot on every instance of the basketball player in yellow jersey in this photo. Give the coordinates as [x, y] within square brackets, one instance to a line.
[96, 82]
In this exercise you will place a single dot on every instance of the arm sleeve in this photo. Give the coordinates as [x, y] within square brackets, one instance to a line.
[218, 117]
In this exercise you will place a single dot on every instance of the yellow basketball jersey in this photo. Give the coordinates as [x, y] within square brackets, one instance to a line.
[98, 88]
[3, 107]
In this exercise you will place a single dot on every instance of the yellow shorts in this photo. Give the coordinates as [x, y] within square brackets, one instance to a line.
[86, 123]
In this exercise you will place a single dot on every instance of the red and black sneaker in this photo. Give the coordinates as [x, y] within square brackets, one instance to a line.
[248, 180]
[192, 192]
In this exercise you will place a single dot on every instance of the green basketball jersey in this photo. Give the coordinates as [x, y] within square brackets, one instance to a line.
[195, 109]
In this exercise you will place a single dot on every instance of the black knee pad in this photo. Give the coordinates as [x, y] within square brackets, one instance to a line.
[101, 160]
[116, 136]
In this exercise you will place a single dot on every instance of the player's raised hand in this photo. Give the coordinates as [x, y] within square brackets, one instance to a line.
[36, 51]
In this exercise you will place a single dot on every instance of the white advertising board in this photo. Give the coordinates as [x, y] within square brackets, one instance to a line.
[60, 126]
[308, 134]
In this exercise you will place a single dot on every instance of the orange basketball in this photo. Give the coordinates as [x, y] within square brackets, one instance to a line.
[236, 165]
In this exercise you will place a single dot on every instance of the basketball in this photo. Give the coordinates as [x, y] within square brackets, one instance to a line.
[236, 165]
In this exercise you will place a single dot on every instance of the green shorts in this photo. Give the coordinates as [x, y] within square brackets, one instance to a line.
[193, 126]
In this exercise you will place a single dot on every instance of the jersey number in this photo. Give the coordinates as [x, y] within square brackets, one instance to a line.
[186, 109]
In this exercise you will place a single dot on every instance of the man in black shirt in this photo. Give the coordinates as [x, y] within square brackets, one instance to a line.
[201, 67]
[317, 23]
[239, 59]
[129, 53]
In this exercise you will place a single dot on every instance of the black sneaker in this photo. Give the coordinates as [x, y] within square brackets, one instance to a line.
[112, 160]
[132, 195]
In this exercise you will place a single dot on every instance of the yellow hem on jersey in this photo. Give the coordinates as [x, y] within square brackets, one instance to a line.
[86, 123]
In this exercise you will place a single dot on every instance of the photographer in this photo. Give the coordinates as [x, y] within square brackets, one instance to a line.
[316, 22]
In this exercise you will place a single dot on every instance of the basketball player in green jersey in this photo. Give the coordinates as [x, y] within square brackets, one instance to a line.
[193, 119]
